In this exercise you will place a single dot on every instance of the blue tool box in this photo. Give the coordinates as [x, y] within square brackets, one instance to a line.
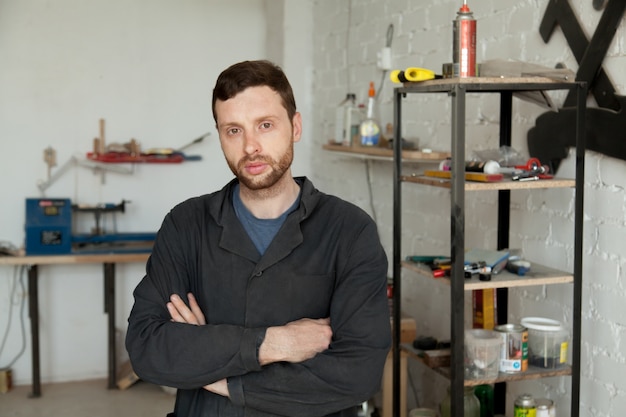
[48, 226]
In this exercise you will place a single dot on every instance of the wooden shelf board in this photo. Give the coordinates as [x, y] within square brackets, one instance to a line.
[490, 84]
[532, 372]
[538, 275]
[386, 154]
[485, 186]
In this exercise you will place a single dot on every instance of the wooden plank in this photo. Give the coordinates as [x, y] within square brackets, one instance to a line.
[387, 386]
[469, 176]
[501, 185]
[495, 84]
[386, 153]
[74, 259]
[530, 374]
[538, 275]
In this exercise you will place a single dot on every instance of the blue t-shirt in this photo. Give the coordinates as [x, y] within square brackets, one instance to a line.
[261, 231]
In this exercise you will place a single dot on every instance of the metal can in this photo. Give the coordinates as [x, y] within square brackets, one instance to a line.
[514, 353]
[524, 406]
[464, 43]
[545, 407]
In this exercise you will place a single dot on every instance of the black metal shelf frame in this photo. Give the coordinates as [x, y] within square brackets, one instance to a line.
[457, 90]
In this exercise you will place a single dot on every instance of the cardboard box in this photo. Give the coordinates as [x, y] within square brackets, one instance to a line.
[6, 380]
[484, 309]
[408, 330]
[437, 358]
[126, 377]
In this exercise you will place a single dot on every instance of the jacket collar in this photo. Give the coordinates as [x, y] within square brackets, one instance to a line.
[235, 239]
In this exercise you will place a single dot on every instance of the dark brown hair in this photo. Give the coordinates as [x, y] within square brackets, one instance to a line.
[236, 78]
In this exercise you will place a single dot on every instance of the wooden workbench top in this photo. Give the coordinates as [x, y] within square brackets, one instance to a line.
[101, 258]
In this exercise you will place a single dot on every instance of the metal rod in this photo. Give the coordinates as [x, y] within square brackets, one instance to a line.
[504, 209]
[33, 313]
[457, 237]
[109, 309]
[397, 248]
[578, 242]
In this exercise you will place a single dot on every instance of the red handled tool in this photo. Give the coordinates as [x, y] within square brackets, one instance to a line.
[532, 169]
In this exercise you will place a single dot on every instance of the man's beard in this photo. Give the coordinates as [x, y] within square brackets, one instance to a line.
[267, 179]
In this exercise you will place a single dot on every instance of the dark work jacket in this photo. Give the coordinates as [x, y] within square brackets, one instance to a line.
[325, 261]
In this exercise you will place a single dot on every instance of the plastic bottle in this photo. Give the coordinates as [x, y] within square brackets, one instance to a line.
[369, 129]
[352, 122]
[346, 117]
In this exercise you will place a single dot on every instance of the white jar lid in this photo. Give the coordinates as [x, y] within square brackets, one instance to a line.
[540, 323]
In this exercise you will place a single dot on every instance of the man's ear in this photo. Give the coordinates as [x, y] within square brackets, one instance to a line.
[297, 126]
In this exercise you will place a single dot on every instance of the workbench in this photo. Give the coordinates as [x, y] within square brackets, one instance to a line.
[108, 260]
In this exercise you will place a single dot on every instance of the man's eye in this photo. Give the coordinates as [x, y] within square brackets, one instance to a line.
[266, 125]
[233, 131]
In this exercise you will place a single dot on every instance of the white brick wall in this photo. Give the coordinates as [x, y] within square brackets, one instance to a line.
[542, 223]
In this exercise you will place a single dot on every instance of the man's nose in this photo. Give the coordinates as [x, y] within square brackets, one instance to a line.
[251, 143]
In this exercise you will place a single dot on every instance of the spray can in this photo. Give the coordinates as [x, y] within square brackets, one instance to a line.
[525, 406]
[464, 43]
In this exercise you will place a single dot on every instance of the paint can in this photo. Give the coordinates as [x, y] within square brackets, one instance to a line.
[514, 350]
[524, 406]
[464, 43]
[545, 407]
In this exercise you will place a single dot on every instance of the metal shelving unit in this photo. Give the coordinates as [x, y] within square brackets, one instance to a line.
[456, 89]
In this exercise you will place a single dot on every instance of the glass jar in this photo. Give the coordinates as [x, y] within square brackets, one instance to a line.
[471, 405]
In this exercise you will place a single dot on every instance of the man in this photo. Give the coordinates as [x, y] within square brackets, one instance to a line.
[268, 297]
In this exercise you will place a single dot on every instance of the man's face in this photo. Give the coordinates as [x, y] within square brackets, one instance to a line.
[257, 136]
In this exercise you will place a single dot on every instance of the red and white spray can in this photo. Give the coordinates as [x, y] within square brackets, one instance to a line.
[464, 43]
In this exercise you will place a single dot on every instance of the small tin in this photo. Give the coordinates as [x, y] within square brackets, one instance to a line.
[545, 407]
[525, 406]
[514, 353]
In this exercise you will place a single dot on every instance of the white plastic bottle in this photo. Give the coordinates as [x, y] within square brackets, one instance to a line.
[354, 116]
[369, 130]
[344, 115]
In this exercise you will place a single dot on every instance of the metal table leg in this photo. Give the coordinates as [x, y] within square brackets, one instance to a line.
[33, 313]
[109, 309]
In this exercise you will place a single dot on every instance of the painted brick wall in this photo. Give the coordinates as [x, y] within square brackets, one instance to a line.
[348, 35]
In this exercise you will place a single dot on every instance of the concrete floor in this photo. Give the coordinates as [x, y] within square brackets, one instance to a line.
[87, 398]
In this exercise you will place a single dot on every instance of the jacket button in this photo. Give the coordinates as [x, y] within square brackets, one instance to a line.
[258, 274]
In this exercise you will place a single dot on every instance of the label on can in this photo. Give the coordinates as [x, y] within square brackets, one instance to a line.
[524, 406]
[514, 353]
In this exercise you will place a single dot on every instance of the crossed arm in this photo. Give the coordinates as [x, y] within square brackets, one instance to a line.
[294, 342]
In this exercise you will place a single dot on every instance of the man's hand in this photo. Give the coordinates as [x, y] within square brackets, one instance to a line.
[219, 387]
[296, 341]
[181, 313]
